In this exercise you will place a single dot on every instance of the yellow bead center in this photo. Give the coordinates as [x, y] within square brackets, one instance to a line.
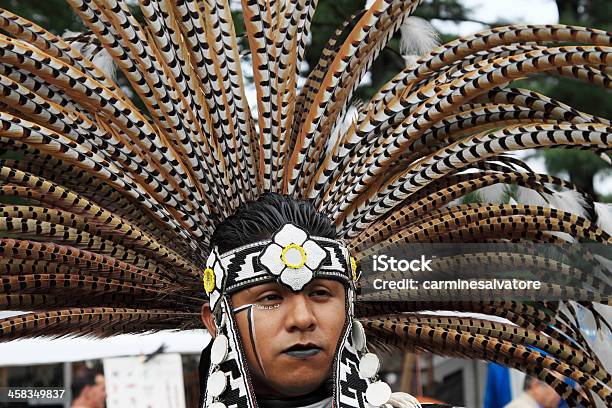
[209, 280]
[294, 256]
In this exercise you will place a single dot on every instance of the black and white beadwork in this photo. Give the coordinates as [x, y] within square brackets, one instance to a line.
[292, 257]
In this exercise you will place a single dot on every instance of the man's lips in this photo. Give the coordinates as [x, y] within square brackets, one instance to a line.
[302, 350]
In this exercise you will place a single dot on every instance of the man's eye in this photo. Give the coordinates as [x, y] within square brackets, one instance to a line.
[270, 298]
[320, 293]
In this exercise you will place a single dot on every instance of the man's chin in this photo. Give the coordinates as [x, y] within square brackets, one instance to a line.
[300, 382]
[297, 389]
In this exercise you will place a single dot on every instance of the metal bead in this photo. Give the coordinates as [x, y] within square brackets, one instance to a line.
[358, 335]
[216, 383]
[369, 365]
[378, 393]
[219, 349]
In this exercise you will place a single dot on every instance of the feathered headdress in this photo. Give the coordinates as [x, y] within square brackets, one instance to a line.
[116, 205]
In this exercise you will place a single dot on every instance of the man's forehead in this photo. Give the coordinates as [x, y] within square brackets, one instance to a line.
[332, 283]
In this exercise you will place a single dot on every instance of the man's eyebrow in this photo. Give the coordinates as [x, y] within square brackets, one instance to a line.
[323, 282]
[262, 288]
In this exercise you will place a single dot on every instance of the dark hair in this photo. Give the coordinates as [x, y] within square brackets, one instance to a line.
[82, 378]
[258, 220]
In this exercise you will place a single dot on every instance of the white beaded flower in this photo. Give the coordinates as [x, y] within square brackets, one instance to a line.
[293, 256]
[213, 278]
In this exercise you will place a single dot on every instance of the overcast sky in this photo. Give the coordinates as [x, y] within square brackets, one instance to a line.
[511, 11]
[532, 11]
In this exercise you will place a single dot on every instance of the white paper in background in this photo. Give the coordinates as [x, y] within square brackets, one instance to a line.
[130, 382]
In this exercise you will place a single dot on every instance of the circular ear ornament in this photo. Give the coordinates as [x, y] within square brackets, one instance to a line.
[369, 365]
[378, 393]
[358, 335]
[219, 349]
[216, 384]
[209, 280]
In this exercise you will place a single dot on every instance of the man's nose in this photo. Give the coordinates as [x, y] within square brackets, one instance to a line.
[300, 314]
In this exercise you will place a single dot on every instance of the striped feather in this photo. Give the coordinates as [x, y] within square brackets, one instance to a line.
[116, 206]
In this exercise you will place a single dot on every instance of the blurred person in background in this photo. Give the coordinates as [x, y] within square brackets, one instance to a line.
[88, 389]
[537, 394]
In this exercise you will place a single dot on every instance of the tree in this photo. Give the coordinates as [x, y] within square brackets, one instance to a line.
[589, 12]
[331, 13]
[54, 15]
[581, 166]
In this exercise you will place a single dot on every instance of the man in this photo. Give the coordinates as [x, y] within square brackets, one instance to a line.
[291, 336]
[537, 394]
[88, 389]
[294, 359]
[124, 209]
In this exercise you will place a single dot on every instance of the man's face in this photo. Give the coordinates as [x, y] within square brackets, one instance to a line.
[545, 395]
[97, 392]
[290, 338]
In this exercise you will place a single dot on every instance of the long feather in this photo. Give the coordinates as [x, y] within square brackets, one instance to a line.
[116, 206]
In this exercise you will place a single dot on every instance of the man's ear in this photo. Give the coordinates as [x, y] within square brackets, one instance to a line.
[85, 392]
[208, 319]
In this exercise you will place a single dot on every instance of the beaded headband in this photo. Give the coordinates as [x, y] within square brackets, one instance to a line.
[292, 257]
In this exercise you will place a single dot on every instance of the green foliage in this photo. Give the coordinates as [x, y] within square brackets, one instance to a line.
[331, 13]
[559, 160]
[451, 10]
[54, 15]
[592, 13]
[471, 198]
[581, 166]
[606, 198]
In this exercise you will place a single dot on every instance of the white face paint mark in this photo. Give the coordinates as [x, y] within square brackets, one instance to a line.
[250, 308]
